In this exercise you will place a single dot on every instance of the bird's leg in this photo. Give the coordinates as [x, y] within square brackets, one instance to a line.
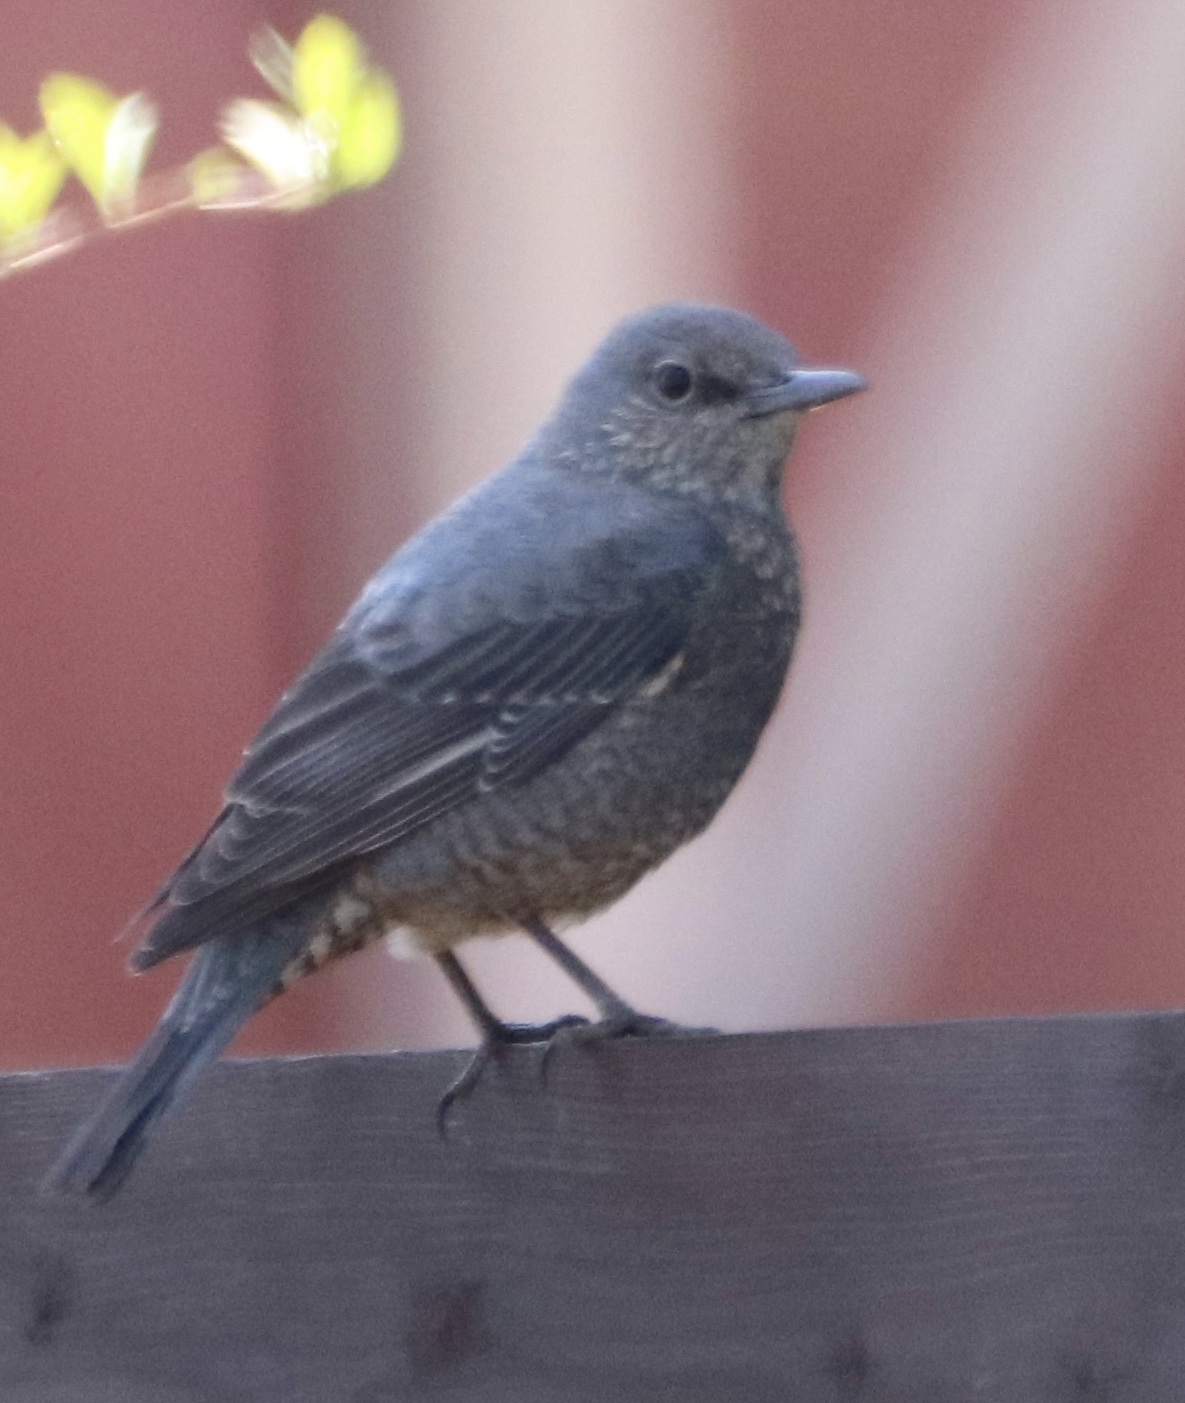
[618, 1019]
[495, 1034]
[492, 1028]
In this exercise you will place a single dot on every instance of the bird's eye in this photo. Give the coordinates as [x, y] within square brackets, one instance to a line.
[673, 381]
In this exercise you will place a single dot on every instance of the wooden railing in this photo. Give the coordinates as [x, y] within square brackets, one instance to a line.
[979, 1212]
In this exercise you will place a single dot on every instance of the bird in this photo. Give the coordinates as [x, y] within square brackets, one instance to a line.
[536, 700]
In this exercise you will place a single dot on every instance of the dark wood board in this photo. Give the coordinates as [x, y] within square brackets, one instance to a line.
[982, 1211]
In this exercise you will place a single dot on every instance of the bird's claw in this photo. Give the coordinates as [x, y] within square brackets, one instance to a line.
[516, 1034]
[621, 1022]
[496, 1040]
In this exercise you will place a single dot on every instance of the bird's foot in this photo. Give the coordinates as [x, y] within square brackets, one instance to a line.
[618, 1020]
[498, 1037]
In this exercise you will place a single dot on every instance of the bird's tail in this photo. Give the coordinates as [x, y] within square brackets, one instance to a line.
[227, 980]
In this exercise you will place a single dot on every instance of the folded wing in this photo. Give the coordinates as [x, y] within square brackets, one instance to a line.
[397, 721]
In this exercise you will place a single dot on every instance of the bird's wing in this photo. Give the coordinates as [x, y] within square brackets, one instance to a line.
[395, 722]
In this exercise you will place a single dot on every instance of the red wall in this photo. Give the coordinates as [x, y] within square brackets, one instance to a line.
[172, 404]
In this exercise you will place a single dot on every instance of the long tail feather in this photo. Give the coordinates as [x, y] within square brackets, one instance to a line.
[227, 980]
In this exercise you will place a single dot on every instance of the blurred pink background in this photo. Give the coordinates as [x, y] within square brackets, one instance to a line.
[973, 798]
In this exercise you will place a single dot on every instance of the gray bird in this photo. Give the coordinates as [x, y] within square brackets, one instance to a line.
[534, 702]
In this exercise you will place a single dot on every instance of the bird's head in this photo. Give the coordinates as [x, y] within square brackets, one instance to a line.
[697, 400]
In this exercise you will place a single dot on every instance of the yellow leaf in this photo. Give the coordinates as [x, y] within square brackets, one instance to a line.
[31, 174]
[327, 68]
[102, 138]
[77, 113]
[369, 139]
[337, 127]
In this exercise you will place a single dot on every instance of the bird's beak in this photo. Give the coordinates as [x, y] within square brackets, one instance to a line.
[805, 389]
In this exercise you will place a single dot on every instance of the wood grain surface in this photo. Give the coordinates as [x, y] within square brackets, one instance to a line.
[982, 1211]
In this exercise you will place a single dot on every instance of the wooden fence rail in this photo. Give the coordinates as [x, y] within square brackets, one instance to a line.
[984, 1211]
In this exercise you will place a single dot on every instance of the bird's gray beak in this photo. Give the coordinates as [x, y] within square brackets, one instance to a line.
[805, 389]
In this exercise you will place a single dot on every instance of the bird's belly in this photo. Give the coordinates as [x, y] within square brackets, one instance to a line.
[576, 837]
